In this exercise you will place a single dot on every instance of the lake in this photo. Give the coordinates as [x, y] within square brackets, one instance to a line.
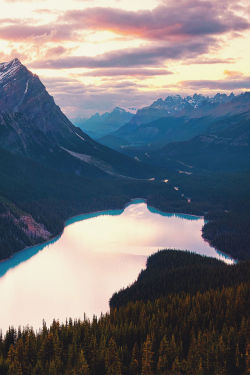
[96, 255]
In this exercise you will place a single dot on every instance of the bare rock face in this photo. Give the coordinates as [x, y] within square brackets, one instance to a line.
[22, 92]
[33, 229]
[30, 121]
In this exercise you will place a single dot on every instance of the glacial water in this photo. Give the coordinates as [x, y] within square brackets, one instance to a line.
[96, 255]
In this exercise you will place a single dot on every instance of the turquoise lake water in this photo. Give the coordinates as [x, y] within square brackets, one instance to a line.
[96, 255]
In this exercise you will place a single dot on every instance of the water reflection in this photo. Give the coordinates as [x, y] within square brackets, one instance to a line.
[96, 255]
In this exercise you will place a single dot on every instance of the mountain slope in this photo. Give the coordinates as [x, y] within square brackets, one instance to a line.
[32, 124]
[225, 146]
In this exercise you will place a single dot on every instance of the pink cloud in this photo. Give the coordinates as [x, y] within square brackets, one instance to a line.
[223, 84]
[170, 21]
[127, 72]
[19, 32]
[57, 51]
[153, 55]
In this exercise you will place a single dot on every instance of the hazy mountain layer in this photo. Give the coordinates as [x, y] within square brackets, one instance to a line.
[100, 125]
[176, 119]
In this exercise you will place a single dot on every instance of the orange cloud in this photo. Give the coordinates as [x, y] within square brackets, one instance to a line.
[233, 74]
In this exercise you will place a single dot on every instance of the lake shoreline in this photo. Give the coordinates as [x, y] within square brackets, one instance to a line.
[139, 200]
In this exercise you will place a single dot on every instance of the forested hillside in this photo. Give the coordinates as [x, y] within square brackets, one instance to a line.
[174, 271]
[201, 333]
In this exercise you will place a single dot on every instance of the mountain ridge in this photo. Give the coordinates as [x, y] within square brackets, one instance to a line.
[176, 119]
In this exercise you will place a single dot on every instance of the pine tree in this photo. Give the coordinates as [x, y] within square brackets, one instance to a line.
[83, 368]
[163, 362]
[112, 360]
[147, 357]
[134, 364]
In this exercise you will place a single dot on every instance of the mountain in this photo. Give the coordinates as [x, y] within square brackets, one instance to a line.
[175, 119]
[31, 124]
[100, 125]
[50, 169]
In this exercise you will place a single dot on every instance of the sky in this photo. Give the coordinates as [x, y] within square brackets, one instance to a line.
[94, 55]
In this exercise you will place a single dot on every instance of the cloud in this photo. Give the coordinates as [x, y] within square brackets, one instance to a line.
[128, 72]
[209, 61]
[22, 1]
[169, 21]
[88, 99]
[226, 84]
[20, 32]
[136, 57]
[14, 53]
[233, 74]
[186, 32]
[91, 101]
[57, 51]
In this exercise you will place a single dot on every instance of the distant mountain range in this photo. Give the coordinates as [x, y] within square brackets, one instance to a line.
[176, 119]
[207, 133]
[100, 125]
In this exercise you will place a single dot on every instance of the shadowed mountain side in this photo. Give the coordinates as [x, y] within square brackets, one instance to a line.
[32, 124]
[225, 147]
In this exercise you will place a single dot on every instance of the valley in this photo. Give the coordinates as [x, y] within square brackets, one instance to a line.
[69, 239]
[41, 149]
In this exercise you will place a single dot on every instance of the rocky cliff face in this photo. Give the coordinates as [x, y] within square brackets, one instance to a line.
[29, 118]
[22, 92]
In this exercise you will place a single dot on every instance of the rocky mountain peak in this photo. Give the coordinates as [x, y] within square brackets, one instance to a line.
[9, 69]
[21, 91]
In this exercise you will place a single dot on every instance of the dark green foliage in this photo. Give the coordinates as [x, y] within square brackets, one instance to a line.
[224, 200]
[171, 271]
[179, 334]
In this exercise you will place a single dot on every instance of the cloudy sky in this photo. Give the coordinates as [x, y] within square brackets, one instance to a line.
[93, 55]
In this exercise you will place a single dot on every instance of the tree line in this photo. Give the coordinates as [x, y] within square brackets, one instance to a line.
[201, 333]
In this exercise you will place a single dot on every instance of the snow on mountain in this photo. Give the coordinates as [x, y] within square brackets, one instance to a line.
[9, 69]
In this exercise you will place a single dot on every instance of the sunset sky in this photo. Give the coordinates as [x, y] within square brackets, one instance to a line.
[93, 55]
